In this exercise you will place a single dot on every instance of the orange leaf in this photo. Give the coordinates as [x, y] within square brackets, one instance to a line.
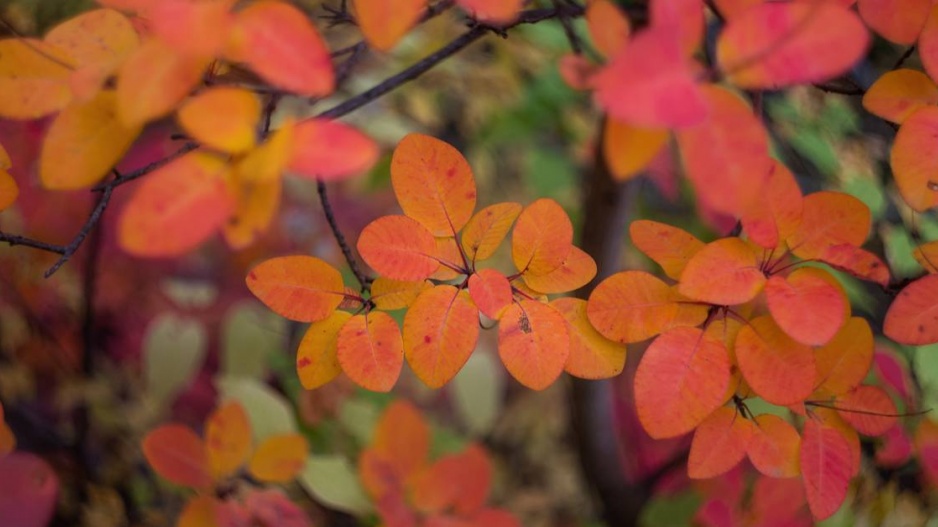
[491, 292]
[724, 272]
[389, 295]
[577, 71]
[592, 356]
[928, 43]
[775, 217]
[608, 26]
[433, 183]
[844, 361]
[781, 44]
[727, 156]
[177, 207]
[774, 447]
[487, 228]
[458, 481]
[301, 288]
[258, 203]
[402, 436]
[200, 511]
[806, 307]
[857, 262]
[228, 439]
[898, 21]
[176, 22]
[222, 118]
[7, 439]
[632, 306]
[279, 458]
[278, 42]
[868, 409]
[830, 218]
[719, 443]
[733, 8]
[825, 468]
[266, 162]
[450, 258]
[669, 246]
[83, 143]
[371, 351]
[33, 78]
[440, 332]
[651, 83]
[577, 270]
[497, 12]
[153, 80]
[178, 455]
[398, 247]
[913, 316]
[915, 173]
[383, 23]
[629, 149]
[927, 255]
[682, 378]
[543, 237]
[330, 150]
[898, 94]
[317, 362]
[533, 343]
[9, 190]
[777, 368]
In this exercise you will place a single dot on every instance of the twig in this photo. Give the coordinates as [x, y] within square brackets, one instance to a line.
[363, 279]
[576, 43]
[901, 60]
[842, 90]
[90, 223]
[142, 171]
[15, 239]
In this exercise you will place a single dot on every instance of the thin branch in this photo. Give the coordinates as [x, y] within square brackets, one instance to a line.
[14, 239]
[576, 43]
[902, 58]
[363, 279]
[142, 171]
[90, 223]
[830, 87]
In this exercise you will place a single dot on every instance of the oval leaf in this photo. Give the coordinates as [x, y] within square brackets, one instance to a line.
[330, 150]
[825, 468]
[533, 343]
[279, 459]
[317, 362]
[916, 173]
[719, 443]
[670, 247]
[371, 351]
[807, 307]
[384, 23]
[440, 332]
[845, 361]
[725, 272]
[868, 409]
[898, 94]
[777, 368]
[178, 455]
[913, 316]
[543, 237]
[301, 288]
[487, 228]
[222, 118]
[228, 439]
[592, 356]
[399, 248]
[774, 447]
[491, 292]
[830, 218]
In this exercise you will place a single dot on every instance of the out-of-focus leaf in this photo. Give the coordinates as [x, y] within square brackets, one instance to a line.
[332, 480]
[173, 351]
[249, 334]
[270, 414]
[478, 393]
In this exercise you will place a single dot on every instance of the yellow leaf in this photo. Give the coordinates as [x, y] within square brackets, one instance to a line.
[228, 439]
[84, 142]
[279, 458]
[257, 205]
[222, 118]
[33, 78]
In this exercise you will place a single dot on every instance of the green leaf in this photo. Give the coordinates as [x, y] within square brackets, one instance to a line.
[359, 418]
[478, 393]
[250, 333]
[173, 352]
[333, 481]
[899, 249]
[870, 192]
[925, 359]
[269, 412]
[677, 510]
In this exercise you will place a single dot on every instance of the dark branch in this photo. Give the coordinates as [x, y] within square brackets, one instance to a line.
[363, 279]
[14, 239]
[90, 223]
[142, 171]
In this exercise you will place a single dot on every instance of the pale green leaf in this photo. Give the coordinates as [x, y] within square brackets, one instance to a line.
[333, 481]
[173, 352]
[269, 412]
[250, 333]
[478, 393]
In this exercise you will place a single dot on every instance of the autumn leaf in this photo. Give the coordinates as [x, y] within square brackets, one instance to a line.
[898, 21]
[773, 45]
[317, 362]
[490, 291]
[383, 23]
[807, 307]
[34, 78]
[222, 118]
[719, 444]
[497, 12]
[533, 342]
[669, 246]
[8, 187]
[825, 468]
[257, 205]
[915, 173]
[868, 409]
[279, 458]
[898, 94]
[177, 207]
[844, 362]
[830, 218]
[774, 447]
[577, 270]
[83, 143]
[927, 255]
[371, 351]
[592, 356]
[857, 262]
[399, 248]
[433, 183]
[608, 26]
[724, 272]
[777, 216]
[176, 21]
[402, 436]
[542, 239]
[178, 455]
[278, 42]
[726, 157]
[913, 316]
[629, 149]
[227, 439]
[486, 229]
[682, 378]
[389, 295]
[440, 332]
[302, 288]
[154, 80]
[460, 482]
[330, 150]
[779, 369]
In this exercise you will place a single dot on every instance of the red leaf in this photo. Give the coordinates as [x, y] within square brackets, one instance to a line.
[774, 447]
[825, 468]
[458, 481]
[807, 307]
[913, 316]
[178, 455]
[402, 436]
[669, 246]
[898, 94]
[898, 21]
[719, 443]
[682, 378]
[868, 409]
[592, 356]
[777, 368]
[775, 217]
[724, 272]
[830, 218]
[491, 292]
[330, 150]
[857, 262]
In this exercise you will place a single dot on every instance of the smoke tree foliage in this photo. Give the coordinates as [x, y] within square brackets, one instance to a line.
[749, 341]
